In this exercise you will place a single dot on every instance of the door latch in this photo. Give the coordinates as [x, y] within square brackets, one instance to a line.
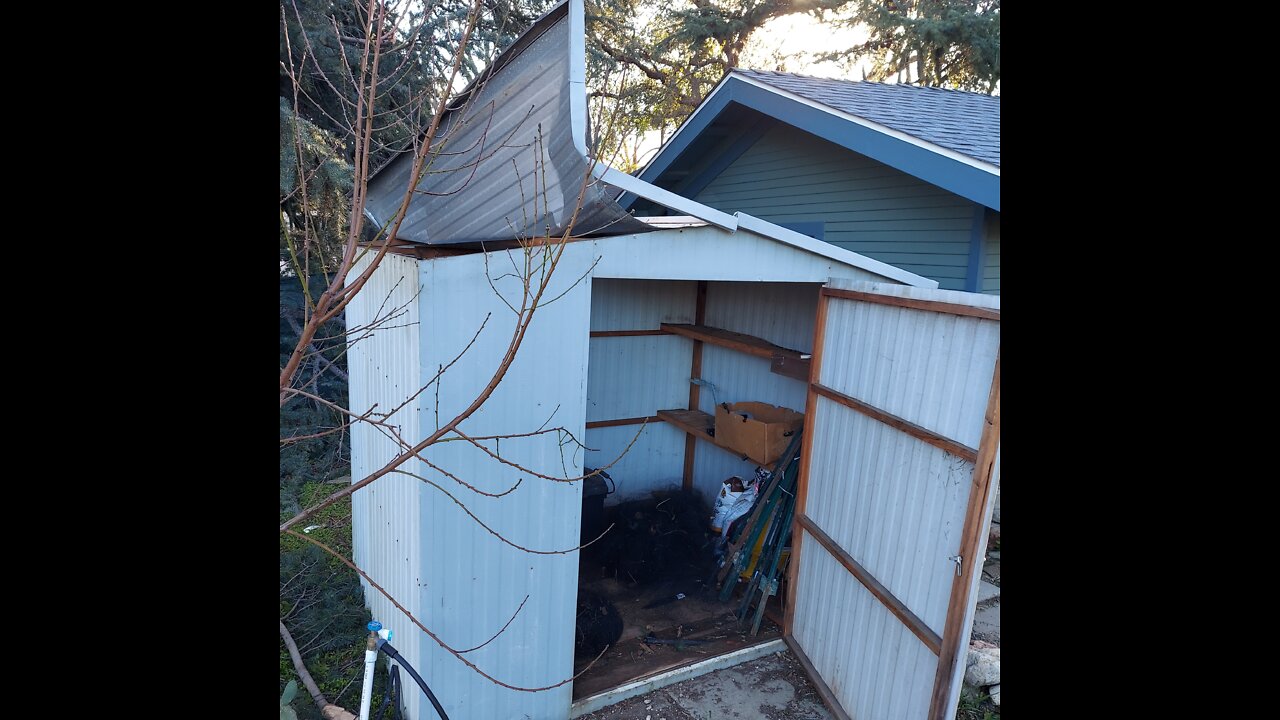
[959, 561]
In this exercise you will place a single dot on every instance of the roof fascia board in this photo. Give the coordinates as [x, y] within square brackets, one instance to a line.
[689, 130]
[699, 182]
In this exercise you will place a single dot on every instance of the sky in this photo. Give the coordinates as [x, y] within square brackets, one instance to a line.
[802, 34]
[789, 35]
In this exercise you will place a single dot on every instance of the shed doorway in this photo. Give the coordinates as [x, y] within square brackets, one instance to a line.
[663, 355]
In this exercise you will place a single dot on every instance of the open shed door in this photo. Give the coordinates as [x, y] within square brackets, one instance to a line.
[902, 437]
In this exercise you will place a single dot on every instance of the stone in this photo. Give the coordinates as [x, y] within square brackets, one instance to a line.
[981, 644]
[333, 712]
[994, 537]
[982, 667]
[994, 692]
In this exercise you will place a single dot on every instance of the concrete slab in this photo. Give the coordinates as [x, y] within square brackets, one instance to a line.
[771, 688]
[986, 623]
[987, 591]
[992, 571]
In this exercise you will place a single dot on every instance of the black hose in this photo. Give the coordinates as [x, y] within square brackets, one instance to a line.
[394, 654]
[393, 693]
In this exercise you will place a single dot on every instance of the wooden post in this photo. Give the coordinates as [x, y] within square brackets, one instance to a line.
[695, 371]
[969, 541]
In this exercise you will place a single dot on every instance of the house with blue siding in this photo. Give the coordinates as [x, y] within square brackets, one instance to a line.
[906, 175]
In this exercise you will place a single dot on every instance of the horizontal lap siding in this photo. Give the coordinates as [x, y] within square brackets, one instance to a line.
[790, 176]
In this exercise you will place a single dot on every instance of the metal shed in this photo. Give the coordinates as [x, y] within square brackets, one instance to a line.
[901, 402]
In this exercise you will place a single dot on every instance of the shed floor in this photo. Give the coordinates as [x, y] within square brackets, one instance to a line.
[699, 616]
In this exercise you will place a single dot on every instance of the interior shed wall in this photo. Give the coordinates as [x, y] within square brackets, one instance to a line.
[636, 376]
[782, 313]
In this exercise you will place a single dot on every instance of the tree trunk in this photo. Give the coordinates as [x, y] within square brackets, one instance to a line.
[307, 681]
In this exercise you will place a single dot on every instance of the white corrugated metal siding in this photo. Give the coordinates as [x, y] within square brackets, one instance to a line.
[472, 581]
[654, 462]
[709, 253]
[635, 376]
[876, 667]
[383, 370]
[894, 503]
[458, 578]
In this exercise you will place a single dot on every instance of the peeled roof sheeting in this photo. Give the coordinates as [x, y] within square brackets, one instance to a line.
[503, 165]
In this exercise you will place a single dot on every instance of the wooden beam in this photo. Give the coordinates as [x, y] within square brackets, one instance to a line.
[970, 540]
[802, 482]
[906, 426]
[622, 421]
[888, 599]
[695, 371]
[828, 698]
[790, 367]
[933, 305]
[626, 333]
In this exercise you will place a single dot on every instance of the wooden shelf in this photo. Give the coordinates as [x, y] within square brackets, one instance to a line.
[785, 362]
[697, 424]
[694, 422]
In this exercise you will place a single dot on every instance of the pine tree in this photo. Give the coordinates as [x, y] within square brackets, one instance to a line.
[933, 43]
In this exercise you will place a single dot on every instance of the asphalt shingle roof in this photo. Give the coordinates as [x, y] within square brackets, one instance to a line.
[966, 122]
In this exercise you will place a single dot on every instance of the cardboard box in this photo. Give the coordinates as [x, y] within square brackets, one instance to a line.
[763, 436]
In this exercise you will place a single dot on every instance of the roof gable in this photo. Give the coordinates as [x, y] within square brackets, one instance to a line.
[966, 122]
[947, 138]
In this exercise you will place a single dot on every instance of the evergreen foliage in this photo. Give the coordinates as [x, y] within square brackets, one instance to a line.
[934, 43]
[662, 59]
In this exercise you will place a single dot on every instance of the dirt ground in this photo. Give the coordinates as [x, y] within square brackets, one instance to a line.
[771, 688]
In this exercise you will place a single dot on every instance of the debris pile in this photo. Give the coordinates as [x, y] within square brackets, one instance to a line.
[661, 538]
[599, 625]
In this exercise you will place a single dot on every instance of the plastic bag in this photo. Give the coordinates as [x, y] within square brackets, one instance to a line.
[736, 504]
[733, 504]
[725, 500]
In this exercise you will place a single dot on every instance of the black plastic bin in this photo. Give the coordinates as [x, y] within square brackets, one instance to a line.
[594, 491]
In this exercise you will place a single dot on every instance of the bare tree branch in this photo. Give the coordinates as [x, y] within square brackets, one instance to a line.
[432, 635]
